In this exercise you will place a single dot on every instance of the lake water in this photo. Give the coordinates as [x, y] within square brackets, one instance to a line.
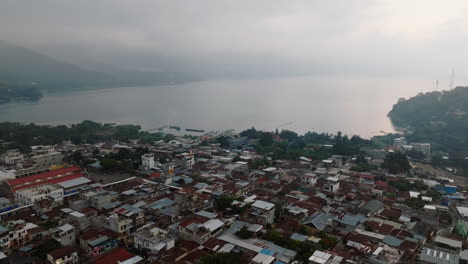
[324, 104]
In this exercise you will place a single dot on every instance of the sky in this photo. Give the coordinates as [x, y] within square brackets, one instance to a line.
[223, 38]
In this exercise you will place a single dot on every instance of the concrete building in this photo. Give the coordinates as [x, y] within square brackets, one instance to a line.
[15, 234]
[11, 157]
[399, 142]
[263, 212]
[332, 184]
[424, 148]
[200, 229]
[185, 161]
[147, 161]
[65, 235]
[309, 179]
[153, 239]
[34, 194]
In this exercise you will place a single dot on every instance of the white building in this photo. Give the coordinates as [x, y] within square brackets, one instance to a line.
[424, 148]
[309, 179]
[147, 161]
[399, 142]
[46, 156]
[332, 184]
[37, 193]
[11, 157]
[153, 239]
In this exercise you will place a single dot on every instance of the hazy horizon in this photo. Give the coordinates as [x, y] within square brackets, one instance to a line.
[225, 39]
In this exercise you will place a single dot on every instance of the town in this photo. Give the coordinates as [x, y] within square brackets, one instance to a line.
[226, 197]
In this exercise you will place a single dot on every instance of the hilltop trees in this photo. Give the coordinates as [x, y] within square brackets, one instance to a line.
[396, 163]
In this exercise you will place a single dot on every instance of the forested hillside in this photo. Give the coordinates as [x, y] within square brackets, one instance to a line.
[440, 118]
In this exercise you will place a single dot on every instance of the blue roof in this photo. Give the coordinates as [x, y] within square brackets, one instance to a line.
[164, 202]
[352, 220]
[267, 252]
[319, 220]
[392, 241]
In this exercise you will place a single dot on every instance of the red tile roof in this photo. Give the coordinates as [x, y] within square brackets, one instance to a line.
[114, 256]
[43, 176]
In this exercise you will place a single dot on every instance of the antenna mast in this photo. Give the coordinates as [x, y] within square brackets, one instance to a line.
[451, 79]
[437, 85]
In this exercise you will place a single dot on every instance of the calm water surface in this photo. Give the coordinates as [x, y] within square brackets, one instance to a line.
[331, 104]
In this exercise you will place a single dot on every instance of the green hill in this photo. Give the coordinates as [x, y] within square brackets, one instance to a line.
[22, 66]
[437, 117]
[24, 73]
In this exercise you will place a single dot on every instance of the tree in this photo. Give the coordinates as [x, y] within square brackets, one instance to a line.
[251, 133]
[416, 155]
[396, 162]
[266, 139]
[244, 233]
[109, 164]
[223, 141]
[288, 135]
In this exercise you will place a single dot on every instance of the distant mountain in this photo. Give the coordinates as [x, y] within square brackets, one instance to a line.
[440, 118]
[21, 66]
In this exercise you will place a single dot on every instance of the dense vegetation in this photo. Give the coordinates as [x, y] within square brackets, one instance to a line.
[439, 118]
[22, 136]
[436, 117]
[396, 163]
[289, 145]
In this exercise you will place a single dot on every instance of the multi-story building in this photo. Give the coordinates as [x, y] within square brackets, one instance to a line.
[200, 229]
[185, 161]
[95, 241]
[263, 212]
[153, 239]
[15, 234]
[424, 148]
[12, 157]
[38, 193]
[332, 184]
[65, 235]
[309, 179]
[147, 161]
[399, 142]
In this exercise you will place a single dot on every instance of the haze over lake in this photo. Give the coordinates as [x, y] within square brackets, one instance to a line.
[323, 104]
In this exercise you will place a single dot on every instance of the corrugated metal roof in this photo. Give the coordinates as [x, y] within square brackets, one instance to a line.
[74, 182]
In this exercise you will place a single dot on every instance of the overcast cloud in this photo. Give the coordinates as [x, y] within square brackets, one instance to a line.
[421, 38]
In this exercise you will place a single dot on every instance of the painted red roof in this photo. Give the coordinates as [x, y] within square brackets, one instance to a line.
[381, 183]
[366, 176]
[54, 181]
[33, 178]
[114, 256]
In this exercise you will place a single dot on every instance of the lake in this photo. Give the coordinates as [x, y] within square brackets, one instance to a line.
[323, 104]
